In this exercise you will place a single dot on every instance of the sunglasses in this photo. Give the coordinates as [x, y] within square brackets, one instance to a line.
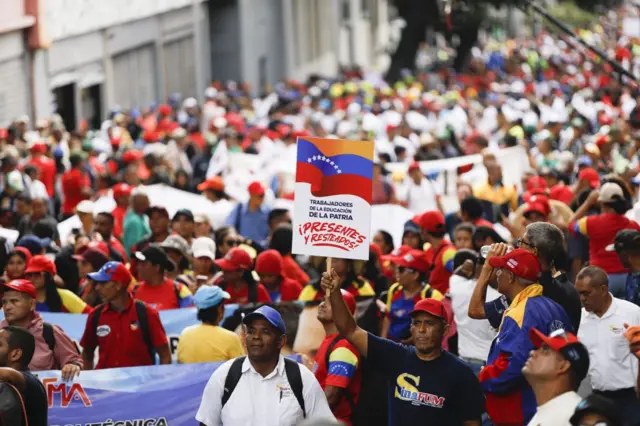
[402, 269]
[232, 243]
[521, 241]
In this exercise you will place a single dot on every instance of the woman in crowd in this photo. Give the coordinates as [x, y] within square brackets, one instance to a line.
[178, 251]
[17, 262]
[204, 252]
[237, 279]
[384, 240]
[49, 298]
[89, 260]
[226, 238]
[411, 235]
[463, 236]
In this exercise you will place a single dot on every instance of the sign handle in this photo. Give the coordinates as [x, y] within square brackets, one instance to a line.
[328, 293]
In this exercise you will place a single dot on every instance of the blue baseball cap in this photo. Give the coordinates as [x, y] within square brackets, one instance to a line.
[112, 271]
[208, 296]
[33, 244]
[268, 313]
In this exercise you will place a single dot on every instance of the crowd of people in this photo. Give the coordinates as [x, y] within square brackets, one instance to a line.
[519, 307]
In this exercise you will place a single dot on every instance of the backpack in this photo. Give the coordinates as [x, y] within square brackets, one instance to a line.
[176, 290]
[291, 368]
[13, 411]
[48, 336]
[143, 320]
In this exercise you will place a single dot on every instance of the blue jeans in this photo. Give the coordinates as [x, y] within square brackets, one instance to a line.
[617, 284]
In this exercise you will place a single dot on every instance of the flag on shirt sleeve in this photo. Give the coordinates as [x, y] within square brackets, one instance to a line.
[186, 298]
[343, 364]
[447, 258]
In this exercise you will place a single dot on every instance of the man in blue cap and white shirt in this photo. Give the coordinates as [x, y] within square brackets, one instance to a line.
[263, 388]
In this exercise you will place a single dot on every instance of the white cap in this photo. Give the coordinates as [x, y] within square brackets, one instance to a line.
[190, 103]
[204, 247]
[179, 133]
[85, 206]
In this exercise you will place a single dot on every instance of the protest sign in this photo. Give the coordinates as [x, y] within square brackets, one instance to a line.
[332, 216]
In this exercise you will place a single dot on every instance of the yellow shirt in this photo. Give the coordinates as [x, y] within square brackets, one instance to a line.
[208, 343]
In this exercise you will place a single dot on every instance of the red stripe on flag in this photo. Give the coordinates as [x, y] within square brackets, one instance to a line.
[324, 186]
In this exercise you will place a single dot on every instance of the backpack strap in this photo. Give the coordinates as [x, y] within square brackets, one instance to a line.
[135, 288]
[426, 292]
[48, 335]
[176, 290]
[238, 218]
[233, 377]
[97, 311]
[294, 377]
[143, 320]
[345, 392]
[24, 407]
[253, 293]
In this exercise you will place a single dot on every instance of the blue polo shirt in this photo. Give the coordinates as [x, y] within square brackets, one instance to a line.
[441, 392]
[251, 225]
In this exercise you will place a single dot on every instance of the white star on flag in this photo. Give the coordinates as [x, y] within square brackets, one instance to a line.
[314, 158]
[332, 163]
[309, 160]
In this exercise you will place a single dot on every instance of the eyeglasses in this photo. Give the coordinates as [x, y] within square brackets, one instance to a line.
[232, 243]
[521, 241]
[600, 423]
[402, 269]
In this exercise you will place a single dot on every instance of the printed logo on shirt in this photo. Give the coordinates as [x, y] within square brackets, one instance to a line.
[103, 330]
[616, 330]
[284, 391]
[134, 325]
[407, 390]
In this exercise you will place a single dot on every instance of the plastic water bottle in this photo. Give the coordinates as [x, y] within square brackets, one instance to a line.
[484, 250]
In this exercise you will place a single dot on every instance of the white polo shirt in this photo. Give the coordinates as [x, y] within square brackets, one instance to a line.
[612, 366]
[264, 401]
[557, 411]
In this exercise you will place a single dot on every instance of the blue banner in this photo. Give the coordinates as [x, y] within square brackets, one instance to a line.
[163, 395]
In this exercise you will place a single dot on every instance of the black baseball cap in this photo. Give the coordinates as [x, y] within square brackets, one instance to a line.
[626, 240]
[184, 212]
[158, 209]
[154, 254]
[596, 404]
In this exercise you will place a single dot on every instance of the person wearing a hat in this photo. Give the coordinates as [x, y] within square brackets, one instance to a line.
[89, 260]
[389, 268]
[155, 288]
[179, 252]
[17, 261]
[203, 226]
[136, 222]
[537, 210]
[555, 370]
[159, 225]
[121, 195]
[441, 251]
[204, 256]
[517, 274]
[49, 297]
[601, 230]
[76, 185]
[103, 224]
[596, 410]
[613, 372]
[208, 342]
[122, 322]
[84, 211]
[280, 288]
[338, 367]
[420, 194]
[627, 247]
[289, 392]
[426, 383]
[251, 219]
[410, 287]
[213, 189]
[183, 223]
[54, 348]
[237, 278]
[35, 245]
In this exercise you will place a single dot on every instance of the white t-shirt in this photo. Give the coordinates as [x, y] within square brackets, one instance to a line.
[557, 411]
[265, 401]
[474, 336]
[420, 198]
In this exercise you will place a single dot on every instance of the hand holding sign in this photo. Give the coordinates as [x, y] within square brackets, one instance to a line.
[330, 281]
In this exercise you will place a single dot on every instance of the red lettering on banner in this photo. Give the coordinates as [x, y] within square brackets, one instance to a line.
[325, 234]
[67, 394]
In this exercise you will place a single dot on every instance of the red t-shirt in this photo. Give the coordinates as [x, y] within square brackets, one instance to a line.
[163, 297]
[343, 372]
[118, 219]
[119, 338]
[442, 261]
[241, 295]
[482, 222]
[117, 246]
[47, 168]
[601, 230]
[290, 269]
[73, 182]
[289, 290]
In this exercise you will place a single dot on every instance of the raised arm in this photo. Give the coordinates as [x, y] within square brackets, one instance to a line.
[479, 295]
[345, 322]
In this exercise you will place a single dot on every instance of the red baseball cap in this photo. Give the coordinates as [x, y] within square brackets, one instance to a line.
[536, 182]
[235, 259]
[561, 193]
[269, 262]
[591, 176]
[431, 306]
[414, 166]
[349, 300]
[24, 251]
[538, 203]
[39, 147]
[535, 191]
[255, 188]
[21, 286]
[432, 221]
[215, 184]
[112, 271]
[399, 252]
[567, 345]
[414, 259]
[121, 190]
[41, 263]
[522, 263]
[132, 156]
[101, 246]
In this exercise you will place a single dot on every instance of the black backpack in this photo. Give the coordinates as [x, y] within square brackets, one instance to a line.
[291, 368]
[143, 320]
[48, 336]
[13, 411]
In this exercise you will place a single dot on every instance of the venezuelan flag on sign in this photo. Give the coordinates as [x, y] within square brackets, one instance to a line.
[336, 166]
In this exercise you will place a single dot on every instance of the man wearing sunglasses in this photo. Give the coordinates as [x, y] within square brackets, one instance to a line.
[555, 370]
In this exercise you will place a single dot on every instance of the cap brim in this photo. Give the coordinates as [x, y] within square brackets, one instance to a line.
[418, 311]
[140, 256]
[204, 253]
[610, 247]
[78, 257]
[225, 265]
[99, 277]
[258, 315]
[538, 338]
[497, 262]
